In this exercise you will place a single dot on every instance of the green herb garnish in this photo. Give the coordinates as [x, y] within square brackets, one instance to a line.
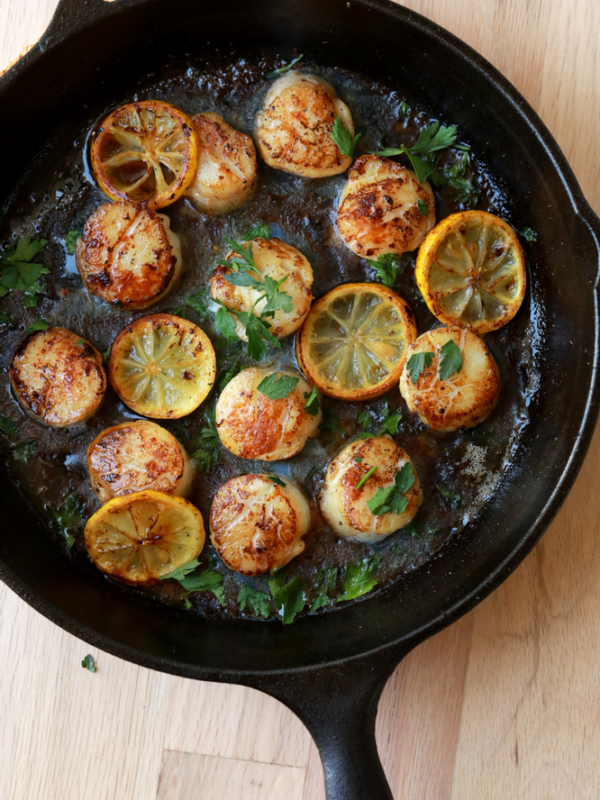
[18, 271]
[358, 459]
[451, 359]
[258, 602]
[71, 241]
[386, 268]
[290, 598]
[229, 374]
[5, 318]
[433, 138]
[391, 498]
[330, 424]
[69, 515]
[365, 478]
[359, 579]
[208, 446]
[207, 581]
[276, 386]
[39, 325]
[417, 363]
[341, 136]
[199, 302]
[404, 111]
[528, 234]
[8, 427]
[89, 663]
[277, 72]
[422, 207]
[259, 231]
[276, 480]
[24, 451]
[312, 405]
[453, 498]
[325, 582]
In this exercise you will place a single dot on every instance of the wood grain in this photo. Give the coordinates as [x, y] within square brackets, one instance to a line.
[504, 704]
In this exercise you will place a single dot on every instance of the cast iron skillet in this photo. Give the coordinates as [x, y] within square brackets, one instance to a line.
[330, 670]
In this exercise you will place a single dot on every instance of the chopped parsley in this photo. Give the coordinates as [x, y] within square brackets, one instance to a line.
[365, 478]
[325, 582]
[7, 426]
[24, 451]
[452, 498]
[18, 271]
[5, 317]
[528, 234]
[389, 423]
[260, 231]
[229, 374]
[423, 155]
[451, 359]
[312, 405]
[386, 268]
[391, 498]
[358, 459]
[422, 207]
[276, 386]
[89, 663]
[199, 302]
[359, 579]
[258, 602]
[341, 136]
[207, 581]
[277, 72]
[276, 480]
[290, 598]
[68, 516]
[417, 363]
[71, 240]
[208, 446]
[39, 325]
[404, 111]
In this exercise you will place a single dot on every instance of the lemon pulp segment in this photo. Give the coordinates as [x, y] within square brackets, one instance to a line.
[162, 366]
[144, 536]
[145, 152]
[471, 271]
[354, 341]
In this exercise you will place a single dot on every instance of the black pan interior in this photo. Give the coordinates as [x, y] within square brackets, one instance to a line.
[47, 95]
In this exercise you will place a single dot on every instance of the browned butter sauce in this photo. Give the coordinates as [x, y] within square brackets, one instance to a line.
[301, 212]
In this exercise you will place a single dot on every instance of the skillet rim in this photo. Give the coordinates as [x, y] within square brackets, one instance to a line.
[581, 211]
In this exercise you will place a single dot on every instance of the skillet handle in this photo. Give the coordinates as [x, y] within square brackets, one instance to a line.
[338, 705]
[73, 15]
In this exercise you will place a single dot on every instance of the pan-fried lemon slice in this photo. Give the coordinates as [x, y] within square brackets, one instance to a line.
[142, 537]
[162, 366]
[353, 343]
[146, 152]
[471, 271]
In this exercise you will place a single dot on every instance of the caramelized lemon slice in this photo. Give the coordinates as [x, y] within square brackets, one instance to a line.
[353, 343]
[142, 537]
[471, 271]
[162, 366]
[146, 152]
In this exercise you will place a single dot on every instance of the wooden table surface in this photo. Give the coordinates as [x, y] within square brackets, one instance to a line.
[503, 704]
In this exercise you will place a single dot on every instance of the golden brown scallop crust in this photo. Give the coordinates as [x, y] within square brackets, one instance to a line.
[126, 256]
[251, 425]
[226, 174]
[277, 260]
[135, 456]
[257, 526]
[464, 399]
[293, 129]
[378, 210]
[58, 377]
[345, 507]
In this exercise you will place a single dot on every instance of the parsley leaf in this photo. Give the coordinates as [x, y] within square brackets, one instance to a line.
[365, 478]
[260, 231]
[434, 137]
[68, 516]
[364, 419]
[404, 111]
[290, 598]
[89, 663]
[417, 363]
[227, 376]
[5, 317]
[359, 579]
[276, 299]
[277, 72]
[225, 324]
[276, 386]
[257, 331]
[386, 268]
[207, 581]
[208, 447]
[199, 302]
[389, 425]
[451, 359]
[17, 270]
[325, 582]
[39, 325]
[341, 136]
[258, 602]
[448, 494]
[276, 480]
[391, 498]
[24, 451]
[7, 426]
[422, 207]
[528, 234]
[312, 405]
[71, 240]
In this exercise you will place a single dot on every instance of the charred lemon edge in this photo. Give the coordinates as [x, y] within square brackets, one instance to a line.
[426, 257]
[410, 329]
[185, 176]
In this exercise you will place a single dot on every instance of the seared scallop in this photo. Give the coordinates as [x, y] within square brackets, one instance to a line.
[251, 425]
[128, 256]
[58, 377]
[460, 400]
[277, 260]
[345, 497]
[135, 456]
[226, 174]
[379, 211]
[293, 129]
[256, 525]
